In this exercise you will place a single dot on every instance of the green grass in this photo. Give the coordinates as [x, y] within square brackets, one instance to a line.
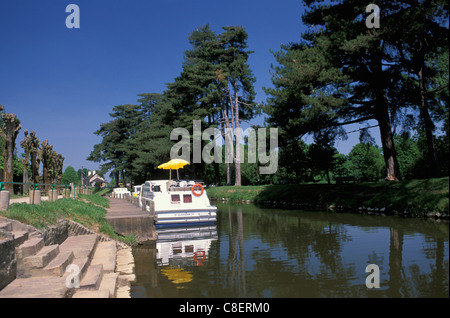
[95, 199]
[102, 191]
[91, 215]
[418, 197]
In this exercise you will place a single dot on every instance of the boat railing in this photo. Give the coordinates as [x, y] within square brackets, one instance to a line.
[175, 188]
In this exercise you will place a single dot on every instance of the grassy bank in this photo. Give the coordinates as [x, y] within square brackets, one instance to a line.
[88, 210]
[416, 197]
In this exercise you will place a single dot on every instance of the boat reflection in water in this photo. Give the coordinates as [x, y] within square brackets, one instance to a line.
[184, 246]
[175, 256]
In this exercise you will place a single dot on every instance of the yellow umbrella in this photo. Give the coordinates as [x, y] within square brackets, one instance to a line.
[177, 163]
[173, 164]
[164, 166]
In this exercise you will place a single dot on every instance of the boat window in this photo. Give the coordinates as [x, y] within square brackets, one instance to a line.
[175, 198]
[187, 198]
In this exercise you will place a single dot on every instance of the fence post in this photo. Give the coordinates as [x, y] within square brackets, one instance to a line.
[52, 195]
[66, 193]
[35, 196]
[4, 200]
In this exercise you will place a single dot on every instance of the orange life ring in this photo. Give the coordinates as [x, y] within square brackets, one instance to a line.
[199, 258]
[196, 193]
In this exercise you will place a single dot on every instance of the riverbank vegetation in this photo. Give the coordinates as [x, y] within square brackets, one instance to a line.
[414, 197]
[88, 210]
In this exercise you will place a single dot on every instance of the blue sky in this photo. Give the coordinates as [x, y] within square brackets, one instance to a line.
[62, 83]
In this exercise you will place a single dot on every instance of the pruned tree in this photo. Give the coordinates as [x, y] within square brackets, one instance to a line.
[26, 144]
[59, 164]
[45, 157]
[9, 129]
[55, 167]
[34, 148]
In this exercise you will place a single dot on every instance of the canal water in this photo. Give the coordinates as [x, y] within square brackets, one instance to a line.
[264, 252]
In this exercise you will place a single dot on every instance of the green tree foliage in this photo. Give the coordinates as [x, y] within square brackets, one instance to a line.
[82, 173]
[322, 153]
[215, 87]
[423, 28]
[365, 161]
[293, 162]
[150, 145]
[409, 156]
[342, 72]
[113, 152]
[69, 176]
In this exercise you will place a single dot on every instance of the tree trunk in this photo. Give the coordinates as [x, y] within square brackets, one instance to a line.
[227, 165]
[9, 134]
[8, 172]
[34, 167]
[228, 140]
[428, 125]
[26, 144]
[25, 176]
[116, 176]
[387, 142]
[45, 154]
[237, 162]
[384, 123]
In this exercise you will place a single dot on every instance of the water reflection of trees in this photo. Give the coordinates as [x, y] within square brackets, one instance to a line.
[301, 239]
[308, 238]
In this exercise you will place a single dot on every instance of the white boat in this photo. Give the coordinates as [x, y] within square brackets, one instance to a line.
[175, 203]
[120, 192]
[137, 190]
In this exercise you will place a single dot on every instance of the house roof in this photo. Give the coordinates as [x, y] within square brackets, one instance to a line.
[94, 178]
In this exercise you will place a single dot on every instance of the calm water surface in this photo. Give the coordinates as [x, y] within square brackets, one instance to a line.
[263, 252]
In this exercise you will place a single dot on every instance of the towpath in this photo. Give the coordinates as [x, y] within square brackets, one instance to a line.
[121, 208]
[128, 219]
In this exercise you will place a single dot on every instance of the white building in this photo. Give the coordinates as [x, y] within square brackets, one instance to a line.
[93, 178]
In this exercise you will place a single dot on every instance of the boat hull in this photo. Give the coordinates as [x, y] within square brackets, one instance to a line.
[191, 217]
